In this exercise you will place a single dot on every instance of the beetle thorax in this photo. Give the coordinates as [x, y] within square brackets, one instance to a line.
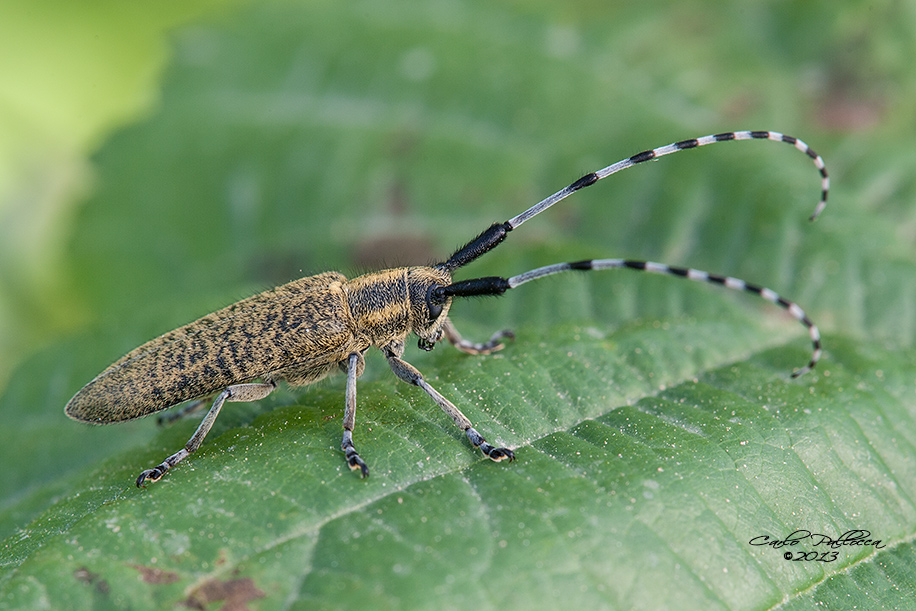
[388, 305]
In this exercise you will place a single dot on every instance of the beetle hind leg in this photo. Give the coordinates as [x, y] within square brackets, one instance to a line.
[235, 393]
[185, 410]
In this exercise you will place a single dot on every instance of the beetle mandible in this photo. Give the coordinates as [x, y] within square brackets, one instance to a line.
[304, 330]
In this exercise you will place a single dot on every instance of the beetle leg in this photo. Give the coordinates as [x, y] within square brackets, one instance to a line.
[235, 393]
[491, 345]
[355, 365]
[185, 410]
[412, 375]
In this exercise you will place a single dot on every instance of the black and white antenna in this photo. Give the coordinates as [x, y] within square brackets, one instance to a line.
[496, 233]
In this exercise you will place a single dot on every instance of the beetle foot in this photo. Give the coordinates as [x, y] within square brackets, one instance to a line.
[497, 454]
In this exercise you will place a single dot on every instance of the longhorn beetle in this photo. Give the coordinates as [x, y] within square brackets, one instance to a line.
[302, 331]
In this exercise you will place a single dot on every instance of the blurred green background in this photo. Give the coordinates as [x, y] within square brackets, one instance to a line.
[157, 164]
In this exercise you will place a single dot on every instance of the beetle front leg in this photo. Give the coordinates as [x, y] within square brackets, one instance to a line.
[235, 393]
[412, 375]
[487, 347]
[355, 365]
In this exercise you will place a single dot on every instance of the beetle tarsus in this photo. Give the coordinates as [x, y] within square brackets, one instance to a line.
[153, 475]
[497, 454]
[357, 463]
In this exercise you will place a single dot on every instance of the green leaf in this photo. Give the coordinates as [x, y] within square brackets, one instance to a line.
[656, 427]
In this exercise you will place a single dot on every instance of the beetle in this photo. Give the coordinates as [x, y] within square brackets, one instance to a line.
[306, 329]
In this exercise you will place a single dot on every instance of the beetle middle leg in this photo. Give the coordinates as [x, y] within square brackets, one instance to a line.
[355, 364]
[236, 393]
[412, 375]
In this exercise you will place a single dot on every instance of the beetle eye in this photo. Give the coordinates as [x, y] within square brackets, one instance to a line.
[432, 306]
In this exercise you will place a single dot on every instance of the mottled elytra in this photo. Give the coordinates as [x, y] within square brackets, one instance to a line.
[304, 330]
